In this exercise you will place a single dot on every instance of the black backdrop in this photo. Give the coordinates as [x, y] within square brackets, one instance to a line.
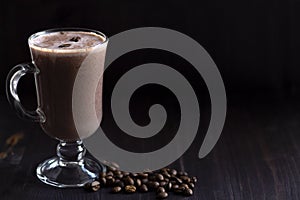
[254, 43]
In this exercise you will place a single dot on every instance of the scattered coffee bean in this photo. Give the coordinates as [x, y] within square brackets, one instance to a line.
[126, 173]
[128, 181]
[102, 174]
[185, 179]
[152, 177]
[166, 175]
[178, 180]
[162, 195]
[173, 172]
[102, 181]
[155, 185]
[145, 181]
[93, 186]
[169, 186]
[133, 175]
[110, 180]
[181, 173]
[142, 175]
[184, 185]
[64, 45]
[144, 188]
[191, 185]
[117, 172]
[174, 187]
[130, 188]
[119, 183]
[110, 173]
[138, 182]
[116, 189]
[119, 176]
[188, 192]
[160, 181]
[159, 177]
[163, 183]
[160, 190]
[194, 179]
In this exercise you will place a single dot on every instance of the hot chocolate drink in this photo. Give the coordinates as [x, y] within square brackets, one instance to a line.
[69, 82]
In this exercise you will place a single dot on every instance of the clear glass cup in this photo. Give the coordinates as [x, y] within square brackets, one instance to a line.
[69, 96]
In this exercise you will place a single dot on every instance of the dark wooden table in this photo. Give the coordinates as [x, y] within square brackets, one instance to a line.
[257, 157]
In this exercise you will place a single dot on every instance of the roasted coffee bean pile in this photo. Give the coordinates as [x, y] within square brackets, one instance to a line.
[162, 182]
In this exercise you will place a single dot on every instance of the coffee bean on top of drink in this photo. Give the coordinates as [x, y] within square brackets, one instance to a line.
[162, 182]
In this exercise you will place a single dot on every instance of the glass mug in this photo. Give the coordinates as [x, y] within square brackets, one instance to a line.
[68, 79]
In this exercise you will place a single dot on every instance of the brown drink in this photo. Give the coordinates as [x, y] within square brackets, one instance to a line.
[69, 82]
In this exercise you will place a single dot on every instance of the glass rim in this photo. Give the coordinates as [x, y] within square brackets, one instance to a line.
[53, 30]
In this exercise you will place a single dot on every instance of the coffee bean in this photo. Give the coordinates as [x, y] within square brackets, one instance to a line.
[162, 195]
[138, 182]
[169, 186]
[194, 179]
[93, 186]
[185, 179]
[117, 172]
[151, 177]
[102, 174]
[160, 190]
[130, 188]
[182, 188]
[119, 176]
[75, 39]
[159, 177]
[144, 188]
[64, 45]
[116, 189]
[184, 185]
[163, 183]
[188, 192]
[142, 175]
[191, 185]
[153, 184]
[178, 189]
[102, 181]
[110, 173]
[110, 180]
[177, 180]
[173, 172]
[126, 173]
[145, 181]
[128, 181]
[133, 175]
[175, 186]
[166, 175]
[181, 173]
[119, 183]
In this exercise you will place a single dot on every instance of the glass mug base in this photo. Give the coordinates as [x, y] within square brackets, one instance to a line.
[59, 172]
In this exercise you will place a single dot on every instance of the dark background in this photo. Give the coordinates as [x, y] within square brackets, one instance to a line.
[254, 43]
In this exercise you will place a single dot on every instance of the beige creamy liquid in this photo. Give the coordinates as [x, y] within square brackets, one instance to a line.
[69, 82]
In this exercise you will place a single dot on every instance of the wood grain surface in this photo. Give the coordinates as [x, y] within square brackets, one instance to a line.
[257, 157]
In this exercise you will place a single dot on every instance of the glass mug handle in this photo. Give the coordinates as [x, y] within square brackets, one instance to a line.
[12, 81]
